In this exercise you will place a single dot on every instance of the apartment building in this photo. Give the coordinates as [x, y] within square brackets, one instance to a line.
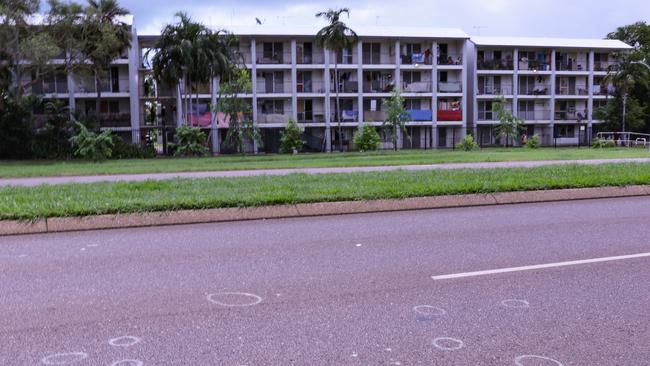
[294, 78]
[553, 85]
[77, 91]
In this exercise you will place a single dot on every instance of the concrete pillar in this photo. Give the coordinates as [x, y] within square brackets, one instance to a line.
[515, 83]
[434, 95]
[590, 102]
[294, 81]
[254, 86]
[553, 82]
[328, 102]
[214, 127]
[475, 93]
[463, 130]
[134, 87]
[360, 81]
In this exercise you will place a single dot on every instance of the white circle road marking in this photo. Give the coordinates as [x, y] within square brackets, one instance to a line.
[64, 358]
[515, 303]
[458, 343]
[254, 299]
[429, 310]
[128, 363]
[518, 359]
[125, 341]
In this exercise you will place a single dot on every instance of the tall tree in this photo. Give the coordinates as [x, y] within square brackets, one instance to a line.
[509, 125]
[336, 36]
[105, 37]
[395, 121]
[237, 111]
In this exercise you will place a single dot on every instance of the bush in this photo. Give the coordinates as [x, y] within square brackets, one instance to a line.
[599, 143]
[533, 142]
[123, 150]
[366, 138]
[52, 140]
[291, 139]
[468, 143]
[90, 145]
[16, 126]
[190, 141]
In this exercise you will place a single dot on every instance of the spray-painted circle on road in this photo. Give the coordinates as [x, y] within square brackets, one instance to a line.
[128, 363]
[519, 360]
[429, 310]
[125, 341]
[64, 358]
[448, 344]
[515, 303]
[234, 299]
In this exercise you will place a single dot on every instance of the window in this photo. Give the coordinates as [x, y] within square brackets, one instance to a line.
[273, 107]
[444, 76]
[371, 53]
[412, 77]
[565, 131]
[411, 48]
[412, 104]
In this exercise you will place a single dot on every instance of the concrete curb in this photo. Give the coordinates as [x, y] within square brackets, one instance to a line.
[67, 224]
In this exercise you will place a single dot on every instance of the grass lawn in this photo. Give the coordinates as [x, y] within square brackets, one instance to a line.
[101, 198]
[408, 157]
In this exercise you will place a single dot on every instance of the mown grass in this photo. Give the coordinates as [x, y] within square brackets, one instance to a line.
[103, 198]
[409, 157]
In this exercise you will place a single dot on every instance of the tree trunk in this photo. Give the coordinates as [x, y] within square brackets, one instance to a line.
[98, 101]
[179, 105]
[338, 106]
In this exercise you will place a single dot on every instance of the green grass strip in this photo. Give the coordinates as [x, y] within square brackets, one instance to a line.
[320, 160]
[30, 203]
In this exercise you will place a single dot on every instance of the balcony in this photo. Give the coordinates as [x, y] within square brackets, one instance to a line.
[420, 115]
[604, 90]
[487, 116]
[570, 66]
[495, 90]
[495, 64]
[274, 87]
[417, 87]
[577, 115]
[450, 59]
[374, 116]
[378, 87]
[581, 90]
[115, 120]
[350, 86]
[310, 87]
[605, 66]
[311, 117]
[273, 58]
[315, 58]
[537, 90]
[536, 115]
[416, 59]
[448, 115]
[277, 117]
[450, 87]
[51, 87]
[533, 65]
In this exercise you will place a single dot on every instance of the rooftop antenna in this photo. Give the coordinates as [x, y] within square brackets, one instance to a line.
[478, 28]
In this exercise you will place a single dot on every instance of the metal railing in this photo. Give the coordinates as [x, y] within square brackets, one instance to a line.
[533, 65]
[495, 90]
[315, 58]
[536, 115]
[450, 87]
[311, 117]
[274, 88]
[417, 87]
[350, 86]
[571, 91]
[275, 58]
[450, 59]
[374, 116]
[537, 90]
[577, 115]
[268, 117]
[495, 64]
[310, 87]
[416, 59]
[626, 139]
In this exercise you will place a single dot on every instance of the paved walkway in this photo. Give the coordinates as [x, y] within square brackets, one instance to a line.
[27, 182]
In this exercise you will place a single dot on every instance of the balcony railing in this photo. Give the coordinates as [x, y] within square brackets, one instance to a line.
[316, 58]
[420, 115]
[350, 86]
[416, 59]
[577, 115]
[534, 65]
[604, 90]
[450, 87]
[268, 117]
[495, 90]
[50, 88]
[450, 59]
[374, 116]
[571, 91]
[606, 66]
[417, 87]
[115, 120]
[378, 87]
[573, 66]
[495, 64]
[537, 90]
[310, 87]
[274, 88]
[536, 115]
[275, 58]
[311, 117]
[450, 115]
[487, 116]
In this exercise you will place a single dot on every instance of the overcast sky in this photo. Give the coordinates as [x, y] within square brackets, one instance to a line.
[542, 18]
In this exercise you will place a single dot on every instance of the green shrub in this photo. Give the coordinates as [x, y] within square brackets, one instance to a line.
[366, 138]
[16, 126]
[123, 150]
[291, 139]
[468, 143]
[190, 141]
[533, 142]
[599, 143]
[92, 146]
[52, 140]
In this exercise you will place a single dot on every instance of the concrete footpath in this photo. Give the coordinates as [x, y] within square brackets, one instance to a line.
[35, 181]
[115, 221]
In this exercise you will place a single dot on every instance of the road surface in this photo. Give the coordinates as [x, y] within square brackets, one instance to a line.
[35, 181]
[368, 289]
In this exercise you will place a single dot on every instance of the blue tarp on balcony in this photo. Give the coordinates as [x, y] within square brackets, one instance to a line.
[420, 114]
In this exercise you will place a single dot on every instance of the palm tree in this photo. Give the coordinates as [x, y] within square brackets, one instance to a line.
[624, 77]
[336, 36]
[104, 38]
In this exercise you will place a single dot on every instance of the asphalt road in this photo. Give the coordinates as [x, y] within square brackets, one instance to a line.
[346, 290]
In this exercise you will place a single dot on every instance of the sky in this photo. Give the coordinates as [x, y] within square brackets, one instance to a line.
[537, 18]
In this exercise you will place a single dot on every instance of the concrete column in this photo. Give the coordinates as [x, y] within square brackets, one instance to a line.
[328, 102]
[434, 94]
[515, 83]
[134, 87]
[463, 130]
[72, 101]
[590, 102]
[214, 127]
[475, 93]
[254, 86]
[360, 81]
[553, 81]
[398, 73]
[294, 81]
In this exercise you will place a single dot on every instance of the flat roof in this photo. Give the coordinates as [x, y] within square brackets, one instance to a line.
[364, 31]
[590, 43]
